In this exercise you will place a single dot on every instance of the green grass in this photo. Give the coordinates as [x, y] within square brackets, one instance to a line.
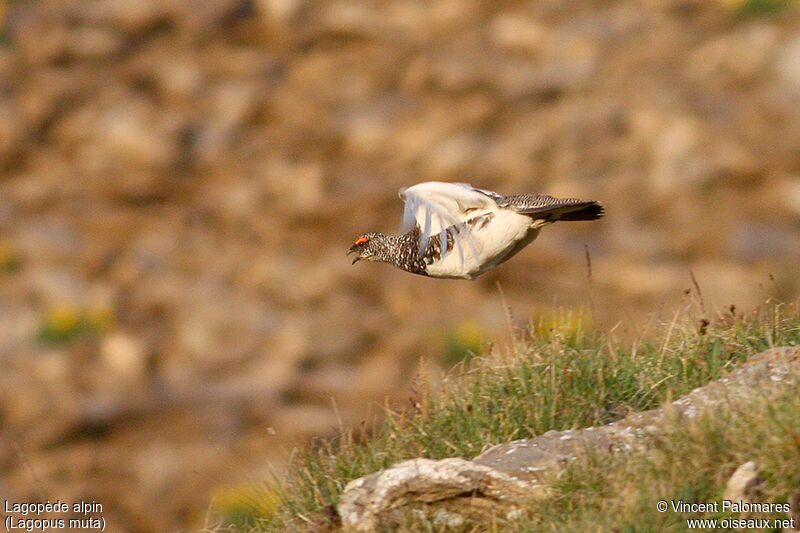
[569, 377]
[65, 323]
[692, 463]
[749, 8]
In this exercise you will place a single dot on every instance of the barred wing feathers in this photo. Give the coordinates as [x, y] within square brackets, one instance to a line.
[551, 208]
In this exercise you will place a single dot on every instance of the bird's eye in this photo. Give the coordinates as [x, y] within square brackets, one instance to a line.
[361, 244]
[361, 241]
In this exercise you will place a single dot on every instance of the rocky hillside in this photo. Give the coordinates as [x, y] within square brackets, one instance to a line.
[180, 180]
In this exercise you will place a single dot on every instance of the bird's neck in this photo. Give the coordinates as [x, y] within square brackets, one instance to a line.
[402, 251]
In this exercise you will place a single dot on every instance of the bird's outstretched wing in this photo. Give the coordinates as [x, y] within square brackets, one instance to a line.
[436, 206]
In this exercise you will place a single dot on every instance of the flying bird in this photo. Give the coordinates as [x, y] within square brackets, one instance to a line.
[454, 230]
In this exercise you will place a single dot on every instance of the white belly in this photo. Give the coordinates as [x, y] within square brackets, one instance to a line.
[487, 246]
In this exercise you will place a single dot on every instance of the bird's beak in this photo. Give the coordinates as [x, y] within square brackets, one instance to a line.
[350, 251]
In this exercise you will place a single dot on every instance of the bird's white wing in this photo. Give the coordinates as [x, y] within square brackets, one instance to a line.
[436, 205]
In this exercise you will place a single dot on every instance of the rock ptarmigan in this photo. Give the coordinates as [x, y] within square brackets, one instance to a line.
[454, 230]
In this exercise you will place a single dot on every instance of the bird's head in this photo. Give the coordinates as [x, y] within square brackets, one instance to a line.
[367, 246]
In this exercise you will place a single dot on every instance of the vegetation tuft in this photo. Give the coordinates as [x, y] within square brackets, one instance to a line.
[749, 8]
[65, 323]
[562, 376]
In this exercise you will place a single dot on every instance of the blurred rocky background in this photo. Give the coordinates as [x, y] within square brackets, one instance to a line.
[180, 180]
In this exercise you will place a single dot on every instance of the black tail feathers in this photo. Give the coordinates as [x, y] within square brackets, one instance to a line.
[586, 211]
